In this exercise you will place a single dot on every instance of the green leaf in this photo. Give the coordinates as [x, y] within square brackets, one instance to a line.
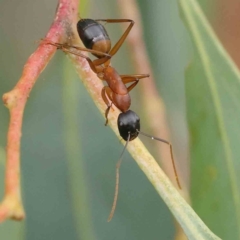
[213, 110]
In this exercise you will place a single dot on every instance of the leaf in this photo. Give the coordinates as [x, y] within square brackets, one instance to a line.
[213, 111]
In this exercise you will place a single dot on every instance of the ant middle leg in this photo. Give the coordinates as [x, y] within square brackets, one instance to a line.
[134, 79]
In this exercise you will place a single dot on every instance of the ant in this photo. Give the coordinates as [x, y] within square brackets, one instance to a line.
[96, 40]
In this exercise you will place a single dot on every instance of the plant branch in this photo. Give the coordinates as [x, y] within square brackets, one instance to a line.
[15, 101]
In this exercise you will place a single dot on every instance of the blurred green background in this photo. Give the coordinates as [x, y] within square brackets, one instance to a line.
[68, 156]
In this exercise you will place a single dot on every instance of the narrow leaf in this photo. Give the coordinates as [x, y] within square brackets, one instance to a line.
[213, 109]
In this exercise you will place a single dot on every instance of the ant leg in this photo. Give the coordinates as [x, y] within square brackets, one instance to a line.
[134, 79]
[119, 43]
[66, 46]
[93, 64]
[90, 62]
[107, 94]
[101, 61]
[106, 113]
[96, 62]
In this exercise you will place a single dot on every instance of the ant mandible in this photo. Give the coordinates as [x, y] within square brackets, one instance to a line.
[96, 40]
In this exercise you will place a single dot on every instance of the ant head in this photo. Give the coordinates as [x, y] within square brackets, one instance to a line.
[128, 123]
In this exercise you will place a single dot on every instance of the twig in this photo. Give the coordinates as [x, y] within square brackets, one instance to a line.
[15, 100]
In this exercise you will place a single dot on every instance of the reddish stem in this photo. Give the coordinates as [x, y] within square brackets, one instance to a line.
[15, 100]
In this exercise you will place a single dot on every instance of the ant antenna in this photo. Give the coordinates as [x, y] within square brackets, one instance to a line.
[171, 152]
[117, 181]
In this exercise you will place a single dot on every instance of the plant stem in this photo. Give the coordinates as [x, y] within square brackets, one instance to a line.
[15, 101]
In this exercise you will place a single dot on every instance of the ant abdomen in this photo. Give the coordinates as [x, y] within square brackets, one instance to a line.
[94, 36]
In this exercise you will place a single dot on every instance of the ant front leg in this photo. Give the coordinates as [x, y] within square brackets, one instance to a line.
[134, 79]
[106, 95]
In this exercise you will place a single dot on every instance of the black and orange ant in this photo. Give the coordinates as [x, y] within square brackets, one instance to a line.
[96, 40]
